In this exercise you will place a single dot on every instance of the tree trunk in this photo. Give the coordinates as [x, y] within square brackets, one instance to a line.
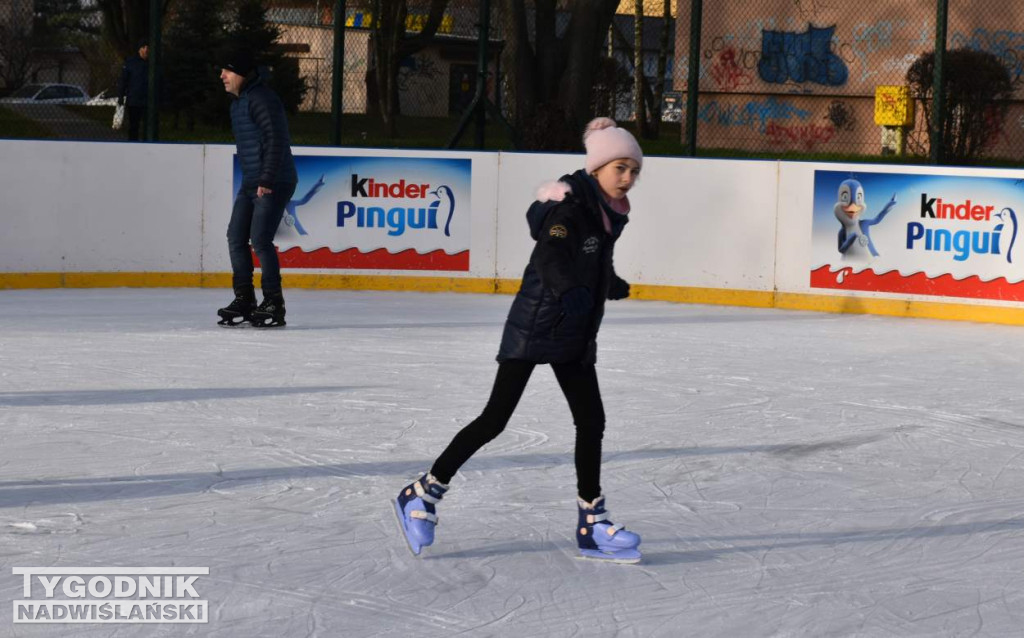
[638, 68]
[552, 79]
[384, 49]
[659, 86]
[125, 22]
[587, 28]
[391, 46]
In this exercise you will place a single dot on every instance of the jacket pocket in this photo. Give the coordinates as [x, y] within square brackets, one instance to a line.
[558, 324]
[567, 326]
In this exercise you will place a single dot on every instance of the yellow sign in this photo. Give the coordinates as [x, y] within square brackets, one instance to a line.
[893, 106]
[414, 22]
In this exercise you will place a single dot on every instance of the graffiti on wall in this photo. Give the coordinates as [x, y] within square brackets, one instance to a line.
[805, 136]
[866, 39]
[804, 73]
[854, 55]
[753, 114]
[801, 57]
[1008, 46]
[840, 116]
[730, 67]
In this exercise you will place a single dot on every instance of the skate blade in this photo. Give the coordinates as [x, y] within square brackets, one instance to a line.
[268, 324]
[231, 320]
[623, 557]
[415, 549]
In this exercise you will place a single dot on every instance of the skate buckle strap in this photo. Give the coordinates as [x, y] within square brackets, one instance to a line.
[597, 518]
[424, 494]
[425, 516]
[614, 528]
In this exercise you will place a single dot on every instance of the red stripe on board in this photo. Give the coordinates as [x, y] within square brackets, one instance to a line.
[379, 259]
[917, 284]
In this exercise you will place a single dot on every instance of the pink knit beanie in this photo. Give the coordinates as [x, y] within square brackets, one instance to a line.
[605, 142]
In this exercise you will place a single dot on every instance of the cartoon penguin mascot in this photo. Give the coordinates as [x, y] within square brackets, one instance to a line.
[291, 218]
[855, 235]
[445, 205]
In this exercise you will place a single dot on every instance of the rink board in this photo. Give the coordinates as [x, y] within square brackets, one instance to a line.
[733, 232]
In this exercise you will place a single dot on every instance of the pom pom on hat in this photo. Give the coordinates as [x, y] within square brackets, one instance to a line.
[605, 142]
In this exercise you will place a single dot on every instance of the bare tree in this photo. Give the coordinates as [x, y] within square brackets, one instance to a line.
[638, 69]
[16, 61]
[553, 77]
[125, 22]
[659, 82]
[392, 44]
[16, 44]
[650, 94]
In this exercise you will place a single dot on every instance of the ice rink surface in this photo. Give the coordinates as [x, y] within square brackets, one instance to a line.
[792, 474]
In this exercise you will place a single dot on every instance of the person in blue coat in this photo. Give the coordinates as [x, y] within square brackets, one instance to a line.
[133, 89]
[554, 320]
[263, 147]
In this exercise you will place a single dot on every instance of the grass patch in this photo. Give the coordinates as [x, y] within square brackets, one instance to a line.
[314, 129]
[367, 131]
[14, 126]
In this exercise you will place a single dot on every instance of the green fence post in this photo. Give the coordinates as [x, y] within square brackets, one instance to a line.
[153, 99]
[338, 75]
[693, 77]
[482, 70]
[937, 137]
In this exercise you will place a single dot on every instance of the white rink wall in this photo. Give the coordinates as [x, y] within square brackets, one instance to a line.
[80, 207]
[708, 231]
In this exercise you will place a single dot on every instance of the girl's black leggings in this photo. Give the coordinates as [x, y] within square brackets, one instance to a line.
[579, 385]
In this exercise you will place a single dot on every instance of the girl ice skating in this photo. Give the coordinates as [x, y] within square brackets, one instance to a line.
[554, 320]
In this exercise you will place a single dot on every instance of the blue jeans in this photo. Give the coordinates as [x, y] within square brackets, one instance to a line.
[255, 219]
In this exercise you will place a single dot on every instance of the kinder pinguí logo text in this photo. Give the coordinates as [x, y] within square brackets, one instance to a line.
[397, 206]
[977, 229]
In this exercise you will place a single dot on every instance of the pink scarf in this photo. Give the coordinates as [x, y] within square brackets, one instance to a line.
[620, 206]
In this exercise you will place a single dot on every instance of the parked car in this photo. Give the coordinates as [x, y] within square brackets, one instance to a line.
[47, 94]
[106, 97]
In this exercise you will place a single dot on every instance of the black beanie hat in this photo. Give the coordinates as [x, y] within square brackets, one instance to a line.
[239, 61]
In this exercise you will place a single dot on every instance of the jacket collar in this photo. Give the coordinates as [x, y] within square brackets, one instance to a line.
[251, 82]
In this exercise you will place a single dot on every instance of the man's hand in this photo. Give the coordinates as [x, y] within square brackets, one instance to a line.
[262, 190]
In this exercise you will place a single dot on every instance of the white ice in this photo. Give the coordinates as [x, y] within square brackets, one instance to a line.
[791, 473]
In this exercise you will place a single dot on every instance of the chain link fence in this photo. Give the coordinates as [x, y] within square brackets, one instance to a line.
[774, 78]
[809, 76]
[48, 63]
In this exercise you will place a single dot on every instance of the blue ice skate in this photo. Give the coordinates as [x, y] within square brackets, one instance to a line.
[599, 539]
[416, 513]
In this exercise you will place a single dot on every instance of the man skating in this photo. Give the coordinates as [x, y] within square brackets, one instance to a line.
[268, 181]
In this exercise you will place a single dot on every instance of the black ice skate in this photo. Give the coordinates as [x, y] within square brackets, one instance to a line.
[238, 311]
[269, 314]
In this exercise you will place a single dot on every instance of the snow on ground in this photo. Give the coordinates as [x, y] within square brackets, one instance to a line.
[792, 474]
